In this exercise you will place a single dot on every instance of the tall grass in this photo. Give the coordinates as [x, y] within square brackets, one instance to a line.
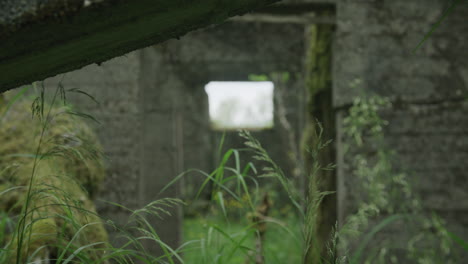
[248, 229]
[243, 185]
[50, 221]
[386, 203]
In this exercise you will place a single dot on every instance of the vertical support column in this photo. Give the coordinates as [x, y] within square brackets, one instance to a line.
[320, 108]
[115, 86]
[161, 100]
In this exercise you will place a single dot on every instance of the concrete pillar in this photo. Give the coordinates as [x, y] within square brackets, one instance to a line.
[161, 103]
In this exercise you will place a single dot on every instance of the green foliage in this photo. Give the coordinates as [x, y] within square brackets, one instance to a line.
[49, 166]
[18, 96]
[385, 197]
[208, 245]
[236, 231]
[274, 76]
[237, 194]
[258, 78]
[364, 120]
[45, 163]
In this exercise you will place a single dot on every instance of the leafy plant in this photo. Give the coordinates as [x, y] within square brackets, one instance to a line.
[384, 197]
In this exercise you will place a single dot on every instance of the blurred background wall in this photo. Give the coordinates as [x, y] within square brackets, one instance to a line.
[154, 111]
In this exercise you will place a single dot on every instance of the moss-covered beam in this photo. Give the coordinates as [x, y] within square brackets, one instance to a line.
[48, 39]
[320, 109]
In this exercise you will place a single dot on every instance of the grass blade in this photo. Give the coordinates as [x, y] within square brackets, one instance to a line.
[356, 258]
[437, 24]
[14, 99]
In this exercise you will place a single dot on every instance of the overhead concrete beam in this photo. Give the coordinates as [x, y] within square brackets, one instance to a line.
[42, 38]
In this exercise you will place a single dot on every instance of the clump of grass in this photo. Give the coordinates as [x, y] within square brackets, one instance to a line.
[46, 161]
[306, 207]
[386, 202]
[44, 218]
[240, 186]
[50, 170]
[210, 246]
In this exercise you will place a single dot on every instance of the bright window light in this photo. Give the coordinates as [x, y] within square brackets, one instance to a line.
[240, 105]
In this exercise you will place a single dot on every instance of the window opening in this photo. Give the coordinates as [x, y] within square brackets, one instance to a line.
[240, 105]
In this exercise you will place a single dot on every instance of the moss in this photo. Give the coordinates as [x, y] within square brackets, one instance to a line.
[319, 60]
[319, 104]
[65, 181]
[66, 136]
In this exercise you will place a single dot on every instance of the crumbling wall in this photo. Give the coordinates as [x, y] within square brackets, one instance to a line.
[428, 88]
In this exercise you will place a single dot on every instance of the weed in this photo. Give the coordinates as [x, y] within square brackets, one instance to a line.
[385, 198]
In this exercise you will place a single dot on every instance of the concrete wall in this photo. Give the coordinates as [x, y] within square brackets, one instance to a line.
[42, 38]
[115, 85]
[230, 52]
[154, 111]
[138, 131]
[428, 88]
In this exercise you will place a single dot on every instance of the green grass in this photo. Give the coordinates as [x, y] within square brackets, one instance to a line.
[46, 214]
[213, 239]
[230, 232]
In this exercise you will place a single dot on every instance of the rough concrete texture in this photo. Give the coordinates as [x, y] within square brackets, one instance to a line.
[428, 88]
[147, 128]
[154, 110]
[161, 103]
[119, 128]
[139, 110]
[53, 37]
[375, 41]
[14, 14]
